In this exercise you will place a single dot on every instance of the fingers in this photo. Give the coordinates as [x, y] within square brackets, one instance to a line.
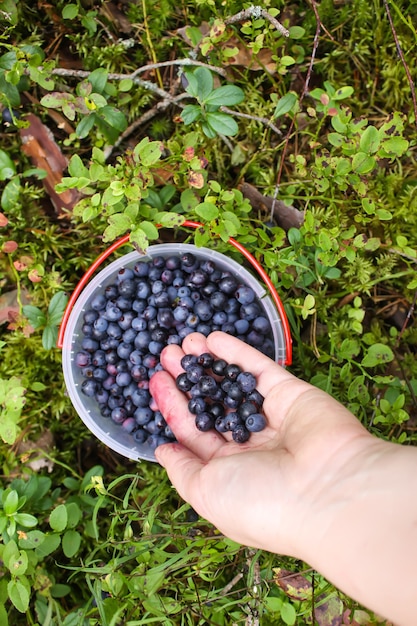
[183, 468]
[173, 405]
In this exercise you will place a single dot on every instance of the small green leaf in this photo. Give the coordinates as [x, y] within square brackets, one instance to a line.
[205, 82]
[35, 316]
[70, 11]
[362, 163]
[207, 211]
[285, 104]
[395, 146]
[11, 503]
[76, 167]
[378, 354]
[149, 152]
[287, 60]
[296, 32]
[60, 591]
[49, 545]
[227, 95]
[33, 539]
[49, 337]
[342, 93]
[149, 229]
[169, 219]
[222, 124]
[71, 542]
[57, 307]
[18, 594]
[85, 125]
[26, 520]
[11, 193]
[190, 113]
[370, 140]
[98, 79]
[7, 167]
[115, 118]
[288, 614]
[58, 518]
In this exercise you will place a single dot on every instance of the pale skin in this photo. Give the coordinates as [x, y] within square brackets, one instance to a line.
[315, 484]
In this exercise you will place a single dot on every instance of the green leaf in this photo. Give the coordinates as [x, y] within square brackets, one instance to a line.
[378, 354]
[370, 140]
[149, 229]
[342, 93]
[227, 95]
[60, 591]
[119, 223]
[85, 125]
[70, 11]
[288, 614]
[11, 194]
[296, 32]
[149, 152]
[98, 79]
[11, 503]
[363, 163]
[76, 167]
[285, 104]
[18, 566]
[395, 146]
[26, 520]
[19, 595]
[58, 518]
[169, 219]
[57, 307]
[191, 113]
[49, 337]
[115, 118]
[49, 545]
[8, 429]
[207, 211]
[139, 240]
[287, 60]
[71, 542]
[7, 167]
[32, 540]
[222, 124]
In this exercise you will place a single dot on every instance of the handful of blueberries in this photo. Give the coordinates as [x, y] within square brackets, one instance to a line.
[223, 396]
[148, 306]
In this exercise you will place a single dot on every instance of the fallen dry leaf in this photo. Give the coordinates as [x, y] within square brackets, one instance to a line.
[39, 145]
[33, 452]
[9, 304]
[329, 612]
[293, 584]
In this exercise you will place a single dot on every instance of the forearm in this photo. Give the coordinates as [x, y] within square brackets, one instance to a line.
[366, 541]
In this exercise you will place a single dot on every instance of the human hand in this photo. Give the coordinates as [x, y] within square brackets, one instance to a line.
[271, 491]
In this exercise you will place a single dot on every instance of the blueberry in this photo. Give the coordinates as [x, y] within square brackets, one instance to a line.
[172, 263]
[90, 316]
[228, 285]
[204, 421]
[220, 424]
[194, 373]
[261, 325]
[205, 360]
[219, 367]
[246, 409]
[182, 382]
[127, 288]
[98, 302]
[232, 371]
[125, 273]
[99, 374]
[188, 360]
[89, 387]
[197, 405]
[246, 381]
[218, 300]
[232, 421]
[124, 350]
[207, 385]
[123, 379]
[141, 269]
[118, 414]
[235, 392]
[112, 313]
[141, 398]
[143, 415]
[217, 410]
[240, 434]
[82, 358]
[245, 294]
[129, 424]
[143, 290]
[255, 422]
[89, 344]
[140, 435]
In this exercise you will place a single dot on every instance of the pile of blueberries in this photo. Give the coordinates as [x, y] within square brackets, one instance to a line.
[222, 396]
[148, 306]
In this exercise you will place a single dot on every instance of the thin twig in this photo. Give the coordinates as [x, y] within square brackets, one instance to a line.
[257, 12]
[403, 61]
[303, 93]
[263, 120]
[181, 62]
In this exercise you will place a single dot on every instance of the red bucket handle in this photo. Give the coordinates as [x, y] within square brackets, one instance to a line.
[125, 239]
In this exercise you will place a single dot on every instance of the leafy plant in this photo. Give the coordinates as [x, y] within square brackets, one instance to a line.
[12, 401]
[48, 322]
[200, 85]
